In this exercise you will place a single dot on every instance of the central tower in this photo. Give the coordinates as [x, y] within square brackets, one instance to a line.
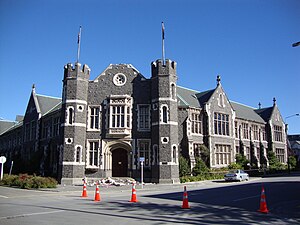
[165, 165]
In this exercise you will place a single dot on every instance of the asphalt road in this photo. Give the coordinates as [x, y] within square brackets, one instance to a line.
[211, 202]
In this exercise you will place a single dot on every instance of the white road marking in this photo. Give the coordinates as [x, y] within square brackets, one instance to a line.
[30, 214]
[2, 196]
[241, 199]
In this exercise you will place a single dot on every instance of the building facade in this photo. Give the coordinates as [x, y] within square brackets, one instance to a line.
[106, 126]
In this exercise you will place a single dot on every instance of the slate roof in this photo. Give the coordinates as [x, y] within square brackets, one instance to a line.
[246, 112]
[265, 113]
[188, 97]
[6, 125]
[48, 104]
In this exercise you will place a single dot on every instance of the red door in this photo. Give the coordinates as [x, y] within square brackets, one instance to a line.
[119, 163]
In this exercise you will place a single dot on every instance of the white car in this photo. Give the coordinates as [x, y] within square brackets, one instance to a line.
[236, 175]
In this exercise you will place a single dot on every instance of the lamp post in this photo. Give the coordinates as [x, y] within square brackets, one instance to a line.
[287, 140]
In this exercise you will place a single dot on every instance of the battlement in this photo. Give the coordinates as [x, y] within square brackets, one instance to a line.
[158, 68]
[71, 71]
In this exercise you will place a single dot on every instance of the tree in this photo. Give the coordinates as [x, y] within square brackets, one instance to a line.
[184, 167]
[274, 163]
[241, 160]
[263, 160]
[204, 154]
[200, 167]
[253, 158]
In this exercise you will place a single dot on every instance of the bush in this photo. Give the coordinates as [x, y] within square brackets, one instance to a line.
[234, 166]
[28, 181]
[184, 167]
[200, 168]
[242, 160]
[274, 163]
[292, 162]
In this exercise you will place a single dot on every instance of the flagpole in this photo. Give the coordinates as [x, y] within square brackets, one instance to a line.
[163, 42]
[78, 44]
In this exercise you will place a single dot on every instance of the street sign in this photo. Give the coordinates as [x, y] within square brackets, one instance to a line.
[2, 159]
[142, 159]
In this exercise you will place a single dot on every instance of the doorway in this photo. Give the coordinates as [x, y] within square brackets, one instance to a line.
[119, 163]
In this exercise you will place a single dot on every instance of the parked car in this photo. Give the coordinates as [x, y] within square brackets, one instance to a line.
[236, 175]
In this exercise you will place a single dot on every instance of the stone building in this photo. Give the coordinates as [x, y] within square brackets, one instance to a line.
[105, 126]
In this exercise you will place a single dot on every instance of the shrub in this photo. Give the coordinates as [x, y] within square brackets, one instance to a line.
[28, 181]
[200, 168]
[292, 162]
[184, 167]
[241, 160]
[234, 166]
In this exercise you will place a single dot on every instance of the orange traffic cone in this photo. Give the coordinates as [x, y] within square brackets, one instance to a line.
[185, 202]
[133, 196]
[97, 193]
[84, 193]
[263, 204]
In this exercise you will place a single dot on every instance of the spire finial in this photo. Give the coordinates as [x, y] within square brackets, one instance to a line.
[218, 80]
[274, 101]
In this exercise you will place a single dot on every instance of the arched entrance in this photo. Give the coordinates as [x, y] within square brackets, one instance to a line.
[119, 162]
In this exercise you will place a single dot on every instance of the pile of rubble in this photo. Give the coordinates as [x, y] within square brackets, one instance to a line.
[113, 181]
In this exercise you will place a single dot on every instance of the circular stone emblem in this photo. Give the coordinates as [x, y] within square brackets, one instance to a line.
[119, 79]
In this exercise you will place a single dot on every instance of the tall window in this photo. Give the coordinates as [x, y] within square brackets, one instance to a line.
[197, 150]
[118, 116]
[94, 117]
[263, 133]
[279, 152]
[248, 153]
[278, 133]
[223, 155]
[78, 153]
[144, 149]
[255, 132]
[144, 117]
[93, 153]
[27, 131]
[221, 124]
[174, 154]
[70, 115]
[173, 91]
[120, 112]
[33, 130]
[164, 114]
[236, 129]
[56, 126]
[196, 123]
[245, 130]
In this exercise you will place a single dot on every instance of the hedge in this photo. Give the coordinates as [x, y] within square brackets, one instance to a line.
[28, 181]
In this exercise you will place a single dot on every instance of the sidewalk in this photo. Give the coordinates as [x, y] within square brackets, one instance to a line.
[112, 188]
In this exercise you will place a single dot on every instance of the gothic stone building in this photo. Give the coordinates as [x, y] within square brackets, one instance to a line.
[105, 126]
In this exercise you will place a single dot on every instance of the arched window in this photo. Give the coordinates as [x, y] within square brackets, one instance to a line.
[165, 114]
[78, 154]
[173, 91]
[174, 153]
[70, 120]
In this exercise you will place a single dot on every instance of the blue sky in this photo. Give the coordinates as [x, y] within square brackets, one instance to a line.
[247, 42]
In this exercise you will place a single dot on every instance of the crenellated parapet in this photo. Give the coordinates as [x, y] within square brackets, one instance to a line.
[161, 69]
[76, 71]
